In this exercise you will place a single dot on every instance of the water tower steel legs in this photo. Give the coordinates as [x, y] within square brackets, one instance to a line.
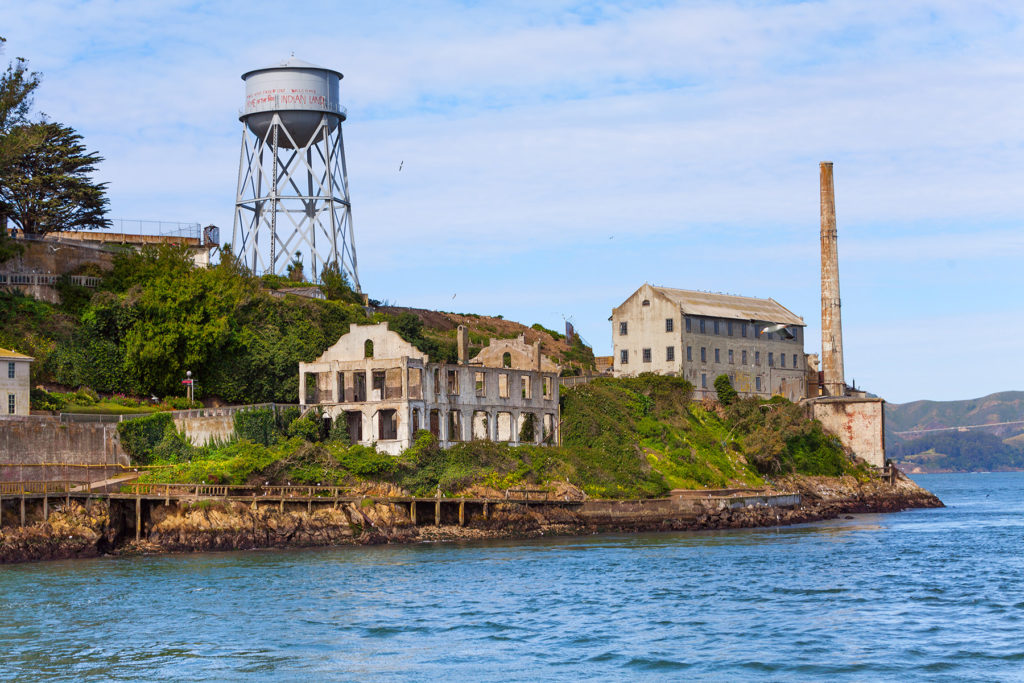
[308, 185]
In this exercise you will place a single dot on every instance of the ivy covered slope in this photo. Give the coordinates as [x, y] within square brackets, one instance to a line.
[622, 438]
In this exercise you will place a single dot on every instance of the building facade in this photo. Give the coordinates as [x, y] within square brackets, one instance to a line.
[14, 382]
[758, 343]
[385, 389]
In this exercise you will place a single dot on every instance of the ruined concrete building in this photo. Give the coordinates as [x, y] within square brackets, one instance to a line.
[385, 390]
[758, 343]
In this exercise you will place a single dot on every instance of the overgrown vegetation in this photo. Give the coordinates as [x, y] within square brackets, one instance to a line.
[622, 438]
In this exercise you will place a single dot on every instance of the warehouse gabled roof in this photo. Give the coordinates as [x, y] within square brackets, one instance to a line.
[7, 354]
[730, 306]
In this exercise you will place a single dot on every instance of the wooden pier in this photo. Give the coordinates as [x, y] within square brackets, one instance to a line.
[421, 510]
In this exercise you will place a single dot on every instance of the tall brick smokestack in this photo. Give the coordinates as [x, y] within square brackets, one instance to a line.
[831, 318]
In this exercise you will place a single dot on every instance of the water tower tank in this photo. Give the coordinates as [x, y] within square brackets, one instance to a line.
[299, 92]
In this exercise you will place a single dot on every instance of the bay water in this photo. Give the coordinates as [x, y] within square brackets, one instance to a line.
[923, 595]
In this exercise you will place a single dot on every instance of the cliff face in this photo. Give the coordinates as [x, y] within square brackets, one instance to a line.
[70, 532]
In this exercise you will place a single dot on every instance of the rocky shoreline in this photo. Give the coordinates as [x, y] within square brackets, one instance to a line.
[80, 531]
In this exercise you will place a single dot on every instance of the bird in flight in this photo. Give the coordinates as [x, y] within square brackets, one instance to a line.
[400, 165]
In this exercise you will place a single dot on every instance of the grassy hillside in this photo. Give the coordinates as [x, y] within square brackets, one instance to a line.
[156, 317]
[1004, 406]
[623, 438]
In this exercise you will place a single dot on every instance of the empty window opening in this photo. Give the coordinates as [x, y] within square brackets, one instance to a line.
[546, 383]
[387, 425]
[703, 354]
[624, 357]
[504, 426]
[526, 386]
[703, 380]
[689, 353]
[339, 386]
[377, 388]
[437, 381]
[454, 425]
[435, 423]
[718, 356]
[503, 385]
[743, 357]
[506, 360]
[415, 383]
[354, 418]
[795, 364]
[646, 302]
[359, 386]
[549, 428]
[527, 428]
[480, 426]
[670, 353]
[757, 357]
[647, 355]
[670, 324]
[730, 357]
[310, 380]
[415, 421]
[453, 382]
[393, 383]
[368, 349]
[480, 382]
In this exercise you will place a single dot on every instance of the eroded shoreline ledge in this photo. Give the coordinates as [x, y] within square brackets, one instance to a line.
[95, 528]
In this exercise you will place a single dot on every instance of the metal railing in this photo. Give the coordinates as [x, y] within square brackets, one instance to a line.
[18, 488]
[45, 279]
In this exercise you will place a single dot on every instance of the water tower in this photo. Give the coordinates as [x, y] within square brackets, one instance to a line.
[292, 200]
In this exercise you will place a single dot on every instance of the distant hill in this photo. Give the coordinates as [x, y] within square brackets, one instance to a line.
[1005, 406]
[969, 450]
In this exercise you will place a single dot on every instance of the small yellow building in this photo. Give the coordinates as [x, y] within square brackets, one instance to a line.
[14, 382]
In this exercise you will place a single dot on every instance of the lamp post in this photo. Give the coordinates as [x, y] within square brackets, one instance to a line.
[188, 381]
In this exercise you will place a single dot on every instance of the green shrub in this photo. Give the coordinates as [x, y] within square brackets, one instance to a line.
[258, 425]
[139, 436]
[306, 428]
[723, 387]
[43, 400]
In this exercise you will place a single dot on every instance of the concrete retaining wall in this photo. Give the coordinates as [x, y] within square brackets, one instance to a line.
[28, 442]
[858, 422]
[201, 430]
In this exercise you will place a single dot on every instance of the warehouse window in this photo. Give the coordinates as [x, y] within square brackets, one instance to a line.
[718, 356]
[771, 359]
[623, 328]
[669, 324]
[795, 364]
[689, 353]
[728, 328]
[743, 329]
[688, 326]
[730, 357]
[703, 355]
[10, 403]
[702, 330]
[757, 383]
[757, 357]
[716, 327]
[743, 360]
[670, 353]
[624, 357]
[647, 355]
[703, 380]
[10, 371]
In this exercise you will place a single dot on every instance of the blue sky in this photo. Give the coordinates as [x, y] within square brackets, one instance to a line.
[557, 155]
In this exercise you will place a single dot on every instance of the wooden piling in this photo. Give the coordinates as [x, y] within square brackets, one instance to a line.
[23, 509]
[485, 509]
[437, 512]
[46, 505]
[462, 512]
[138, 517]
[412, 512]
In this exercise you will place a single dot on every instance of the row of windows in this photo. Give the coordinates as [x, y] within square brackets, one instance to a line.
[704, 381]
[718, 326]
[670, 355]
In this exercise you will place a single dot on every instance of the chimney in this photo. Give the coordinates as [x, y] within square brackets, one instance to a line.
[463, 344]
[831, 318]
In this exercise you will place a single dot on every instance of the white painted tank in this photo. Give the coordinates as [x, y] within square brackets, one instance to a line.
[300, 92]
